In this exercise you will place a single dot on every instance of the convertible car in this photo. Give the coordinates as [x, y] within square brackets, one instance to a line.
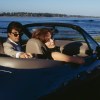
[44, 79]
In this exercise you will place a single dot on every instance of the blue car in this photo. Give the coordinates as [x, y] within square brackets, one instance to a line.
[44, 79]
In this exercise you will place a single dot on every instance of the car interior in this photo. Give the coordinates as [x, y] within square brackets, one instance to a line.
[71, 42]
[66, 39]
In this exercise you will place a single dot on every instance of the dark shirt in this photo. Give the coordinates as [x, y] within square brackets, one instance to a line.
[48, 51]
[55, 49]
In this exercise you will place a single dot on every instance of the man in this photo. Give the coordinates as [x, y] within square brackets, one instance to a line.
[12, 46]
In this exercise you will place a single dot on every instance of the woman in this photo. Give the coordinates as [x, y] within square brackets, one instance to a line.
[42, 40]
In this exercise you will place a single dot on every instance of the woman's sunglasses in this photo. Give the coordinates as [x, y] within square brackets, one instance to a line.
[16, 34]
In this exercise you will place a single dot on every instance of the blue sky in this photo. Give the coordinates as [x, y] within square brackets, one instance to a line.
[70, 7]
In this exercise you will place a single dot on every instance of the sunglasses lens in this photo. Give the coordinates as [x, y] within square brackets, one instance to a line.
[16, 35]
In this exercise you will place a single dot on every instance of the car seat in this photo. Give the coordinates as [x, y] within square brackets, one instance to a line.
[35, 46]
[1, 47]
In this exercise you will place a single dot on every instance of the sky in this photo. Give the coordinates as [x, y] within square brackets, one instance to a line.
[69, 7]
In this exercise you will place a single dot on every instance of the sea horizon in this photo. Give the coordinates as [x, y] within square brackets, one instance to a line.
[91, 25]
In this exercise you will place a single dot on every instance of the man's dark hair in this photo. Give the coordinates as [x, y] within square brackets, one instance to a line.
[14, 25]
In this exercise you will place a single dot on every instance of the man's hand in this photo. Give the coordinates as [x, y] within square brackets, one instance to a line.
[25, 55]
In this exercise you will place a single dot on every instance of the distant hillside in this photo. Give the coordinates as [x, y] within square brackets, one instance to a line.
[23, 14]
[31, 14]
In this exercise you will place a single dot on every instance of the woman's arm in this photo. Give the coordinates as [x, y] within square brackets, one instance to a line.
[62, 57]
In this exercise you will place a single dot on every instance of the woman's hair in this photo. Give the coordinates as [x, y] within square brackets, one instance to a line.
[41, 33]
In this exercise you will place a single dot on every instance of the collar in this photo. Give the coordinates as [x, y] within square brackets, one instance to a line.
[12, 41]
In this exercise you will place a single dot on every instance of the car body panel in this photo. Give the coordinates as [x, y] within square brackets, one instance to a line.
[26, 79]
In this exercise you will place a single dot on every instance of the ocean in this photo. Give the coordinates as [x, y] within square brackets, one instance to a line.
[91, 25]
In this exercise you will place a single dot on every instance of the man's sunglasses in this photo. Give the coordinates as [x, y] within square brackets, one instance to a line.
[16, 34]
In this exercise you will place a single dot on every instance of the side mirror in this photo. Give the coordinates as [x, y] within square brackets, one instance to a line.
[98, 51]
